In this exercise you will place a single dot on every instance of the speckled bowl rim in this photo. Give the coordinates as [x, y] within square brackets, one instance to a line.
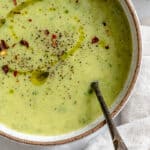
[117, 109]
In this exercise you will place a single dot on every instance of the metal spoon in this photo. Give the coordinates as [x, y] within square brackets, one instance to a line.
[116, 138]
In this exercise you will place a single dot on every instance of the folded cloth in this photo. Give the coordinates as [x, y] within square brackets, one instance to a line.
[135, 134]
[136, 115]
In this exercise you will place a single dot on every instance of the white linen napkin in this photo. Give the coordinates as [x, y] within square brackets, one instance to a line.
[136, 115]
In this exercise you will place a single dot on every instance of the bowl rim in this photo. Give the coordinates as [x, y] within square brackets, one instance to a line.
[119, 106]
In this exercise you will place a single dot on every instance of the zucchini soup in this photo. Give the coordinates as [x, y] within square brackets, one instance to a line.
[50, 52]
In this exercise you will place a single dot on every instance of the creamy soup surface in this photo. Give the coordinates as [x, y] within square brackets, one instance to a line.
[50, 52]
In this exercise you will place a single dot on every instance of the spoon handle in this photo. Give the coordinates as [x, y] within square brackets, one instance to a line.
[116, 138]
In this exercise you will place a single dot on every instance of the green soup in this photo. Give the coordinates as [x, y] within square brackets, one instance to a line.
[50, 52]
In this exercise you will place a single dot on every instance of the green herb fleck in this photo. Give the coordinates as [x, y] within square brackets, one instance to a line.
[66, 11]
[34, 93]
[11, 91]
[90, 91]
[110, 65]
[75, 102]
[2, 21]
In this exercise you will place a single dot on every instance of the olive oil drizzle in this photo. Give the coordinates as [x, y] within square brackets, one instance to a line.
[36, 73]
[20, 7]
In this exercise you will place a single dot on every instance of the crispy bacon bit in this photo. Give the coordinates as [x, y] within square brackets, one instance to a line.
[15, 2]
[3, 52]
[16, 57]
[46, 32]
[30, 20]
[54, 40]
[54, 36]
[54, 43]
[24, 43]
[104, 24]
[107, 47]
[5, 68]
[3, 45]
[15, 73]
[95, 40]
[3, 48]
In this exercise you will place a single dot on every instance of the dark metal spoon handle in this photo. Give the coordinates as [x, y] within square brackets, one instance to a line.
[117, 140]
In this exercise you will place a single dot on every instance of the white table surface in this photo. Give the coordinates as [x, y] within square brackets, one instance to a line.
[143, 10]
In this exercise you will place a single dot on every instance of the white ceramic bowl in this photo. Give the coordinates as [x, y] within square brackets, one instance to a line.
[119, 103]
